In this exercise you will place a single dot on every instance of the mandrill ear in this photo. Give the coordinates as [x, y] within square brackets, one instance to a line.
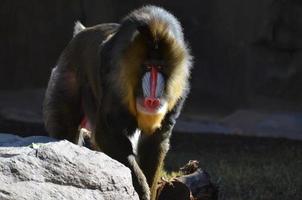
[78, 27]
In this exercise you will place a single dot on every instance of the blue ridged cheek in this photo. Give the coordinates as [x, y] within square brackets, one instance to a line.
[146, 85]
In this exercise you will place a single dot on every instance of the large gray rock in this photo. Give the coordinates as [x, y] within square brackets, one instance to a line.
[60, 170]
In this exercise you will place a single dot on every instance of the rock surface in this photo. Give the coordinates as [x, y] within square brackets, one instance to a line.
[59, 170]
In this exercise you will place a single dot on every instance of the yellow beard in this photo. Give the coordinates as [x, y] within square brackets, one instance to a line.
[149, 123]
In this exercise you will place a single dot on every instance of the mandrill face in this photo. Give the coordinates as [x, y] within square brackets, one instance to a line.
[152, 100]
[151, 103]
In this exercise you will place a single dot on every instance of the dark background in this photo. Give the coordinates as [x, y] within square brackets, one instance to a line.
[247, 52]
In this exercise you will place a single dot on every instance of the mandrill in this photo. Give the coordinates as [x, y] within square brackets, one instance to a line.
[120, 79]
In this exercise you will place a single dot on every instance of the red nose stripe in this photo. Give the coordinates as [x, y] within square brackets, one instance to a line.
[153, 81]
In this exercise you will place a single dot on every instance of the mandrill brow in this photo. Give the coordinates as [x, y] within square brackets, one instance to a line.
[116, 80]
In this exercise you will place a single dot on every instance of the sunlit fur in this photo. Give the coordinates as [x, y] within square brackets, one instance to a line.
[78, 27]
[178, 60]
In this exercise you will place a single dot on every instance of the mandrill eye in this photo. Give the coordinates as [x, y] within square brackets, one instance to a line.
[147, 67]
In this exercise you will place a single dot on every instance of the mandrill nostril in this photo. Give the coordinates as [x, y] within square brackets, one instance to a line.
[155, 102]
[151, 102]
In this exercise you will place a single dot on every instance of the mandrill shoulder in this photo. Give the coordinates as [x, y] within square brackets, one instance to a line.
[82, 54]
[86, 42]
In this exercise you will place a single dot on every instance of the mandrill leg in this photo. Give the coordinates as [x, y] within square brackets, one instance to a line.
[61, 107]
[152, 150]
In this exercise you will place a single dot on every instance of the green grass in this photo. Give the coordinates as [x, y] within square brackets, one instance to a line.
[244, 168]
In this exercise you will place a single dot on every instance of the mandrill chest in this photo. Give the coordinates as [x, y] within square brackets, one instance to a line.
[151, 104]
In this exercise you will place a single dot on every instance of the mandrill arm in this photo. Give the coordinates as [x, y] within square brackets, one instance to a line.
[111, 136]
[152, 149]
